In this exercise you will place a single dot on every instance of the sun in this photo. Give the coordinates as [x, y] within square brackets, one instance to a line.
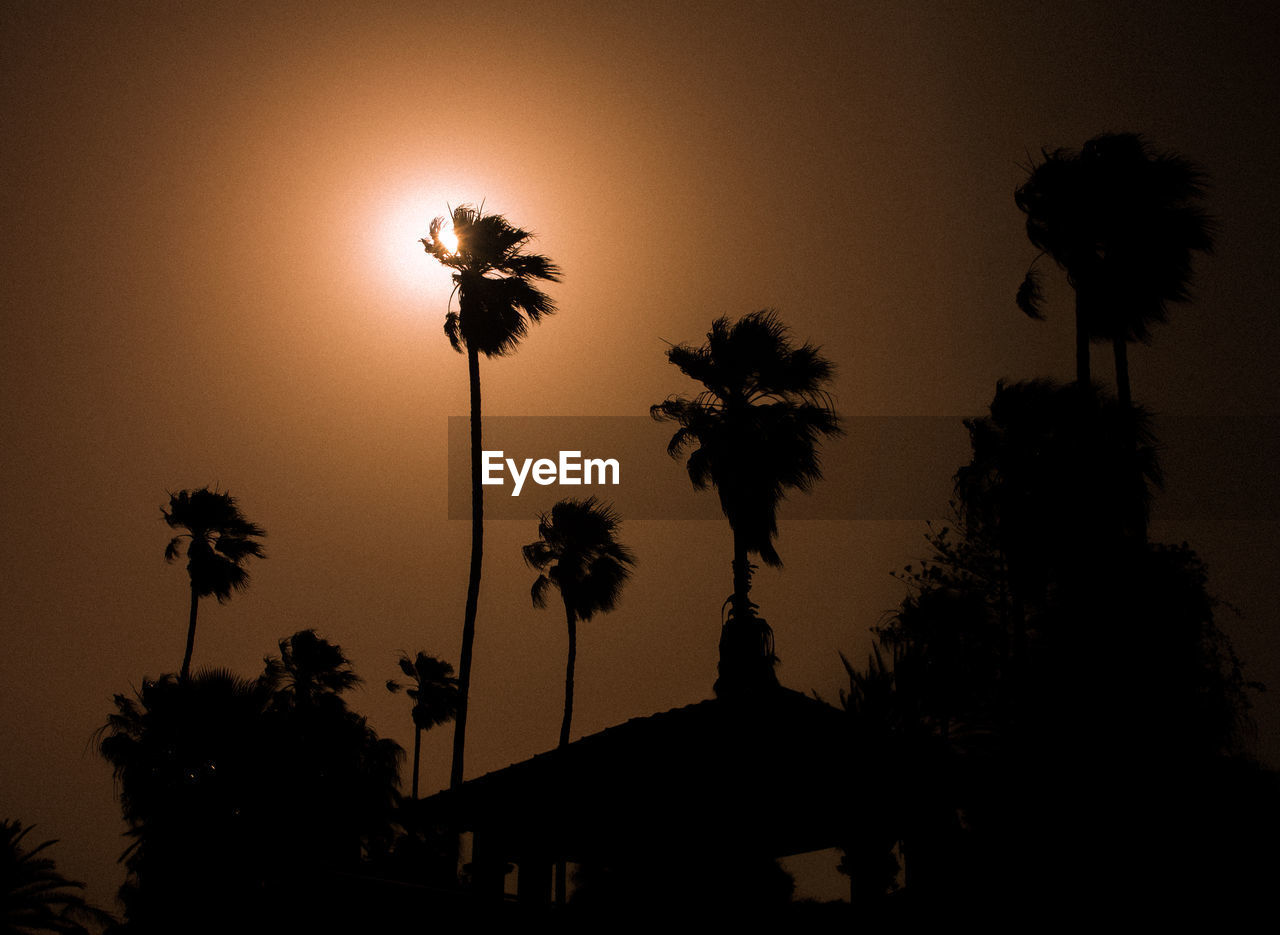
[447, 237]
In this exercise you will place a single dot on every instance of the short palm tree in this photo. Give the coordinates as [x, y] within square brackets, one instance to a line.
[219, 539]
[578, 553]
[34, 896]
[753, 433]
[1123, 222]
[493, 277]
[433, 689]
[309, 670]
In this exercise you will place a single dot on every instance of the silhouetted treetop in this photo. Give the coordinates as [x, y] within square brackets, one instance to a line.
[577, 552]
[754, 431]
[219, 539]
[1123, 221]
[494, 277]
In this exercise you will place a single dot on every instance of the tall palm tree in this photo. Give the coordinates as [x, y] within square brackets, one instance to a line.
[578, 553]
[433, 689]
[493, 277]
[219, 541]
[1123, 222]
[754, 432]
[34, 896]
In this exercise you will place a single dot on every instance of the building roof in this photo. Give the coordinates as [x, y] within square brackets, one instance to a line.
[769, 772]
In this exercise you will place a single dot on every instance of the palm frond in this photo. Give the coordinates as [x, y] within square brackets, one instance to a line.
[1030, 296]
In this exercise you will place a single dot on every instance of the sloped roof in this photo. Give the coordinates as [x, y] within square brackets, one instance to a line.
[770, 772]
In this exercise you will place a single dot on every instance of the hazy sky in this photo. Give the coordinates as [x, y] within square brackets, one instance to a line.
[211, 277]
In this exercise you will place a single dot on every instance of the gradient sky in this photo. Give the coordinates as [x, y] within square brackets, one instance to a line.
[211, 277]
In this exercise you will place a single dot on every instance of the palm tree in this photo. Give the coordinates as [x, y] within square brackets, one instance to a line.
[196, 765]
[34, 896]
[754, 432]
[434, 694]
[308, 670]
[1123, 222]
[577, 552]
[219, 541]
[493, 278]
[237, 792]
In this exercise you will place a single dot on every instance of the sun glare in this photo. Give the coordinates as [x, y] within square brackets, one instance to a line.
[399, 220]
[398, 246]
[449, 238]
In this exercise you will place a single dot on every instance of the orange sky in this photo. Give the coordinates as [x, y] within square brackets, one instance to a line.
[210, 278]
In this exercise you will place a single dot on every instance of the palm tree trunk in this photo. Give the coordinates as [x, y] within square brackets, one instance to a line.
[1083, 377]
[473, 580]
[1125, 396]
[191, 635]
[746, 660]
[741, 578]
[417, 750]
[1122, 373]
[568, 675]
[562, 886]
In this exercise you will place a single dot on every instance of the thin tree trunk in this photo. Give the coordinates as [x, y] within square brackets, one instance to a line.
[473, 580]
[741, 578]
[1125, 396]
[417, 750]
[1122, 373]
[191, 636]
[562, 883]
[568, 675]
[1083, 377]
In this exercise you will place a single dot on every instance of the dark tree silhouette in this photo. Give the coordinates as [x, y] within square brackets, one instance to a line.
[1123, 221]
[219, 541]
[493, 277]
[242, 796]
[1057, 479]
[753, 433]
[194, 764]
[34, 896]
[336, 765]
[433, 689]
[578, 553]
[1072, 678]
[308, 671]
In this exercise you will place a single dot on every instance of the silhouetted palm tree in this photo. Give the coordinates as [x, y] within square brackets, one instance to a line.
[494, 278]
[196, 765]
[578, 553]
[220, 539]
[308, 669]
[754, 434]
[1123, 222]
[434, 693]
[239, 793]
[34, 896]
